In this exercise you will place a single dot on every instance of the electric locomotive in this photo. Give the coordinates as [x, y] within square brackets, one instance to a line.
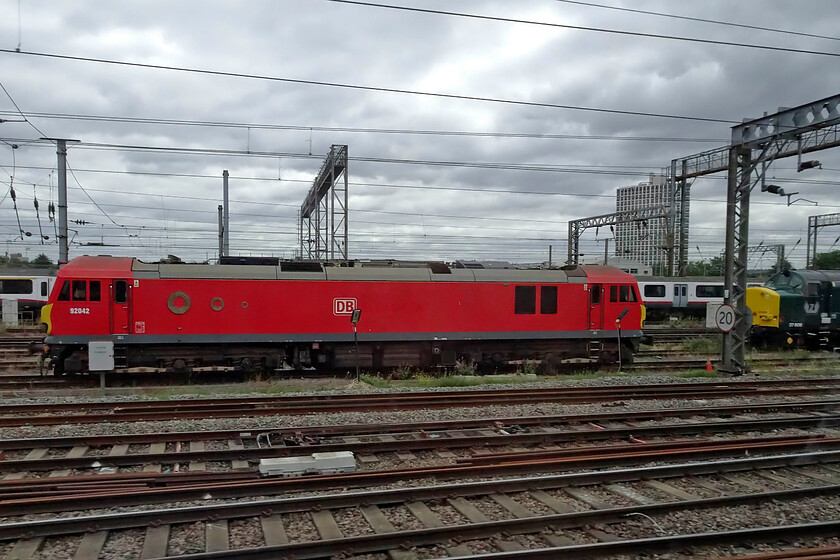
[799, 308]
[270, 315]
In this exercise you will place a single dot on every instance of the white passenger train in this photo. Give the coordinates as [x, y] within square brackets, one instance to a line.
[30, 288]
[679, 296]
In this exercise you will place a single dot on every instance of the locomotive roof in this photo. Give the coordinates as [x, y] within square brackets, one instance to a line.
[818, 275]
[303, 270]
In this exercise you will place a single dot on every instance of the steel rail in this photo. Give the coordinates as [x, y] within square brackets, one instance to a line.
[418, 537]
[365, 403]
[422, 443]
[254, 487]
[819, 553]
[409, 396]
[378, 429]
[337, 500]
[648, 545]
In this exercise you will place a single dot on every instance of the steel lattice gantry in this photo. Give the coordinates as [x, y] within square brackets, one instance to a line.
[323, 223]
[755, 144]
[814, 224]
[577, 227]
[778, 250]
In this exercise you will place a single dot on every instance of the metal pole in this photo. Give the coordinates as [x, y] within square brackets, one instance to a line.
[606, 251]
[550, 247]
[226, 216]
[221, 233]
[63, 248]
[729, 252]
[346, 207]
[356, 344]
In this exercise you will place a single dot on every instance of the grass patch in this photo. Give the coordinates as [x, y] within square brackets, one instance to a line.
[375, 381]
[703, 344]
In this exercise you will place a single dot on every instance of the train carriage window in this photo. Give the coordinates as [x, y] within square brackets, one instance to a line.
[654, 290]
[79, 290]
[43, 289]
[95, 290]
[710, 291]
[120, 291]
[64, 294]
[595, 294]
[525, 300]
[15, 286]
[613, 294]
[548, 300]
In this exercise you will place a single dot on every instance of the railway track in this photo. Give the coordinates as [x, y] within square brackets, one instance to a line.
[574, 515]
[134, 411]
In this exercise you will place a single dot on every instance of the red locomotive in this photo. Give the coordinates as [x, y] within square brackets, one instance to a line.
[275, 315]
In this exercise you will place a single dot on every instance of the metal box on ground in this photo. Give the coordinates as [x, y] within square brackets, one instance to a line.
[101, 355]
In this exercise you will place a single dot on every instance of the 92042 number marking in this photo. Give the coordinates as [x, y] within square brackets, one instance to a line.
[79, 311]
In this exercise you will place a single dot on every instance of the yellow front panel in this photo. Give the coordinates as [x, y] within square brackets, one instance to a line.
[45, 317]
[764, 304]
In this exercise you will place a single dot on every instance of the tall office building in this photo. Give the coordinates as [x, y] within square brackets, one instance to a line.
[647, 241]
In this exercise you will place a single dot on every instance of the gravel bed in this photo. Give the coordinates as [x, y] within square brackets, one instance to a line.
[536, 507]
[299, 528]
[58, 549]
[352, 523]
[446, 513]
[401, 518]
[186, 538]
[245, 533]
[123, 544]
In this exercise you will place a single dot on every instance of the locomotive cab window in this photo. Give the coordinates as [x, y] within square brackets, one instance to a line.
[120, 291]
[95, 290]
[813, 289]
[655, 290]
[548, 300]
[64, 294]
[595, 294]
[626, 294]
[525, 300]
[613, 294]
[79, 290]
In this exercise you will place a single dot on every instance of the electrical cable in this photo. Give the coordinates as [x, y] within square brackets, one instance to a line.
[701, 20]
[583, 28]
[221, 124]
[358, 87]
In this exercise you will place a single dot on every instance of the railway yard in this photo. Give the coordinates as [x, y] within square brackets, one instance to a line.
[651, 463]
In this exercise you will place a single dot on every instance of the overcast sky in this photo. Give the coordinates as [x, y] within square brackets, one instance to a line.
[149, 197]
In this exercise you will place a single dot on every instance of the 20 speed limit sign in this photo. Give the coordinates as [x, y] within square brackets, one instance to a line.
[725, 318]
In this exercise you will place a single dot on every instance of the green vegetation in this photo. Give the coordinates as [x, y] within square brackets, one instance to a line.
[703, 344]
[827, 261]
[375, 381]
[41, 261]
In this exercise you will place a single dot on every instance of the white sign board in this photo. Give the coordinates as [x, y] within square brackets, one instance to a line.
[724, 317]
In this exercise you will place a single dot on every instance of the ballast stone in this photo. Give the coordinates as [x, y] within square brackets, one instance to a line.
[332, 462]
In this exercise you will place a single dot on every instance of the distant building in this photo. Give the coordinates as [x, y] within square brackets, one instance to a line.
[627, 265]
[646, 242]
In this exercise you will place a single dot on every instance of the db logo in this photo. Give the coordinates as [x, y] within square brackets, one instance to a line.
[344, 306]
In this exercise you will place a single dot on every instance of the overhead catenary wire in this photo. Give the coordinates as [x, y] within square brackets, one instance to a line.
[700, 20]
[586, 28]
[359, 87]
[423, 132]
